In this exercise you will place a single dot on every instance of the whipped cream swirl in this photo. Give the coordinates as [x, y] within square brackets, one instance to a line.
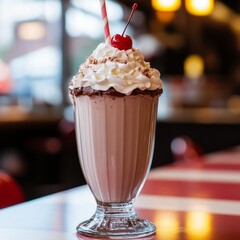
[123, 70]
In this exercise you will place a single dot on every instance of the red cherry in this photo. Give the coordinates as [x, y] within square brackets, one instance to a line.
[121, 42]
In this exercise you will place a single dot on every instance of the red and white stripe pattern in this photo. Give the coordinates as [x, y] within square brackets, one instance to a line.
[209, 190]
[105, 21]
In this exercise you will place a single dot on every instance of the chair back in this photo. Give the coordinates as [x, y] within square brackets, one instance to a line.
[10, 192]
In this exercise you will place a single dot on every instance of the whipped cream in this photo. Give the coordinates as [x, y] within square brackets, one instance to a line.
[123, 70]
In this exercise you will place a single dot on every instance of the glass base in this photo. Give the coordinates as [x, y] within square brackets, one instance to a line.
[116, 221]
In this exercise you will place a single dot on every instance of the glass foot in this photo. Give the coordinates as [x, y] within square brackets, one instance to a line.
[116, 221]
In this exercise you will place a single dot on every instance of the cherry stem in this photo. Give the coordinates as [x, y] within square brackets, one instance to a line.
[134, 7]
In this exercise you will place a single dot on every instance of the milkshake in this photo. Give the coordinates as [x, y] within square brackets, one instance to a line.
[115, 96]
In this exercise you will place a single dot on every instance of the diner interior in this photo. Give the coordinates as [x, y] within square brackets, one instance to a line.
[42, 43]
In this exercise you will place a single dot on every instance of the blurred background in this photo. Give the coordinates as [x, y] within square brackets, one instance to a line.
[194, 43]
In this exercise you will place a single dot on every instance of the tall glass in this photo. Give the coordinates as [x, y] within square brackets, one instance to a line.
[115, 136]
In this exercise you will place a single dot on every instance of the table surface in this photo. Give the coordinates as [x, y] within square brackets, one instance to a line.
[194, 200]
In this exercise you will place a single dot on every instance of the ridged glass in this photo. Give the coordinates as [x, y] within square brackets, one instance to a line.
[115, 137]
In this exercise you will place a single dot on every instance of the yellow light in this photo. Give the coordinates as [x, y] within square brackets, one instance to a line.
[31, 31]
[166, 5]
[198, 225]
[193, 66]
[199, 7]
[167, 225]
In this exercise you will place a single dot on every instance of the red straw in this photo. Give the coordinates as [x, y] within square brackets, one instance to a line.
[105, 21]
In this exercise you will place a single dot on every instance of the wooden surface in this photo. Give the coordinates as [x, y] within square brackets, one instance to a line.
[186, 201]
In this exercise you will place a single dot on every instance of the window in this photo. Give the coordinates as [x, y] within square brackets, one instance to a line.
[30, 61]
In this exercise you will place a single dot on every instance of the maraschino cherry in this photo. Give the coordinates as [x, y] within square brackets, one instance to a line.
[124, 42]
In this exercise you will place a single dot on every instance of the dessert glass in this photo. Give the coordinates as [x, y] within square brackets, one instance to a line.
[115, 139]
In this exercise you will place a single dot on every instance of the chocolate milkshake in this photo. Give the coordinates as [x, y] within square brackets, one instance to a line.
[115, 96]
